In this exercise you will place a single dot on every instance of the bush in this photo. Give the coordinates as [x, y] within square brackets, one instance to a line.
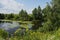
[3, 34]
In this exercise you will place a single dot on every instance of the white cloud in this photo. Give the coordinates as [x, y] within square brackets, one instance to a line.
[10, 6]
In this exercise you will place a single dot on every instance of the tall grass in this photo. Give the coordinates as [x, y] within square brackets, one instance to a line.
[36, 35]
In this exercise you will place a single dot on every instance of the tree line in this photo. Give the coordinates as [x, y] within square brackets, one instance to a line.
[22, 16]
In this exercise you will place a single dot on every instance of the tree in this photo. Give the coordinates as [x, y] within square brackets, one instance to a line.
[56, 12]
[47, 11]
[16, 17]
[2, 16]
[51, 15]
[34, 14]
[23, 15]
[39, 13]
[10, 16]
[37, 18]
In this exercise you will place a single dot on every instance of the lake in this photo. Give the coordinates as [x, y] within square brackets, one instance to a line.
[11, 27]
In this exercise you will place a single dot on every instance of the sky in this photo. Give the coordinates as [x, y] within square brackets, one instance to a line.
[14, 6]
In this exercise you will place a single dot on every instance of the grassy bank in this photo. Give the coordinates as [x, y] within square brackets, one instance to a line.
[32, 35]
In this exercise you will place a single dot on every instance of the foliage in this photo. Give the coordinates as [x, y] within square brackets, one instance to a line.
[32, 35]
[3, 34]
[23, 15]
[16, 17]
[10, 16]
[37, 18]
[2, 16]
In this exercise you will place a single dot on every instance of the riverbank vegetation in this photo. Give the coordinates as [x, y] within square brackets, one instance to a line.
[46, 23]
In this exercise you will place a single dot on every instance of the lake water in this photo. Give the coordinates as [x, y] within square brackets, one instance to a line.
[11, 27]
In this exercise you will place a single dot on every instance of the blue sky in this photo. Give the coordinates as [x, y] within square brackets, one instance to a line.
[8, 6]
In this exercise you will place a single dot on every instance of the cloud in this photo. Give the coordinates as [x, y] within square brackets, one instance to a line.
[8, 6]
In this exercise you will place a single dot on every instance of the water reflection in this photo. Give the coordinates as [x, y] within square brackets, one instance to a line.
[12, 27]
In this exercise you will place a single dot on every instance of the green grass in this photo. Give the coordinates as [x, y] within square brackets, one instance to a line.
[31, 35]
[17, 21]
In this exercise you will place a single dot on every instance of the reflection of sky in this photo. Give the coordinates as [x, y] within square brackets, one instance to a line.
[8, 26]
[12, 27]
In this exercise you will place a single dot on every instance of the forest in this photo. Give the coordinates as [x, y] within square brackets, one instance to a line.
[46, 23]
